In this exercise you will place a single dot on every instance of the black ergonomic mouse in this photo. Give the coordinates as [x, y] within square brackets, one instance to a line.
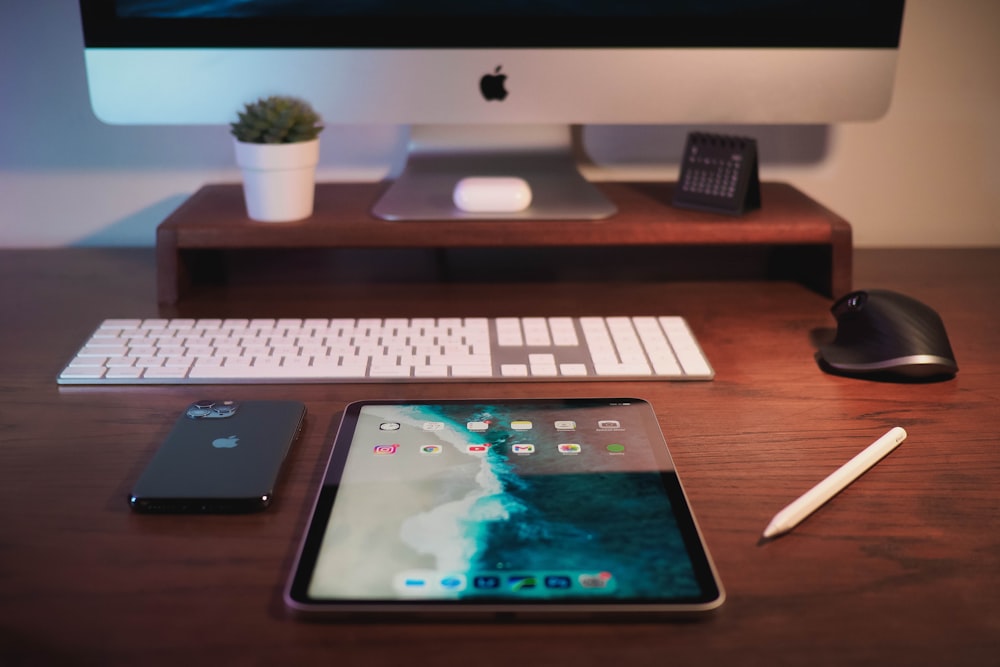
[883, 334]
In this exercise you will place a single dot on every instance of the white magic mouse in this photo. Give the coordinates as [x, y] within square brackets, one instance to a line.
[492, 194]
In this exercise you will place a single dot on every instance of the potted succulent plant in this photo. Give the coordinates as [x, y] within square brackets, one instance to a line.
[277, 148]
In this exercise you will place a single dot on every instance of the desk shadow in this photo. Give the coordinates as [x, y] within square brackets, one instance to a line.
[135, 230]
[777, 145]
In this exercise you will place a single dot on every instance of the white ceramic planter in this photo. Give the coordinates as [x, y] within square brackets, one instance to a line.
[279, 180]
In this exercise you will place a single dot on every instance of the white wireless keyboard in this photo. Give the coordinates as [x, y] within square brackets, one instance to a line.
[188, 351]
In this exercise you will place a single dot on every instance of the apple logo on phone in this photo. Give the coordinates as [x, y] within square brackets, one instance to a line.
[226, 443]
[492, 85]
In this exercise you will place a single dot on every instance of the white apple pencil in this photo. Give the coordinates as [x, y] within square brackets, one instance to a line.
[838, 480]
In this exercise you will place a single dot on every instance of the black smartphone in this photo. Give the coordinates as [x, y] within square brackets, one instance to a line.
[221, 456]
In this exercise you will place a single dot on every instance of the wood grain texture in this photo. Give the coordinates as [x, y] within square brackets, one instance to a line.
[899, 569]
[214, 219]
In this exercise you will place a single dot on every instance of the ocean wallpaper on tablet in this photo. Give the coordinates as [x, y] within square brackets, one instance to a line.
[481, 501]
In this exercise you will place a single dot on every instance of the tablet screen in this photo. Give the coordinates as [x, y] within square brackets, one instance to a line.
[531, 506]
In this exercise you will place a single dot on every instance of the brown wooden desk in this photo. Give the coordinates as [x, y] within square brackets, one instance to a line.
[903, 568]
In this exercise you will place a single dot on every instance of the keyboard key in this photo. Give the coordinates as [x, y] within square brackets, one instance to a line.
[536, 331]
[509, 331]
[542, 364]
[79, 372]
[431, 371]
[563, 331]
[472, 371]
[122, 372]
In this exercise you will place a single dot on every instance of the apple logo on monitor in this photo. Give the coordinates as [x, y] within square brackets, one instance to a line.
[492, 85]
[226, 443]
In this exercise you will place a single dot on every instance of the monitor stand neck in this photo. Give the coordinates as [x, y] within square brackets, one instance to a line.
[441, 155]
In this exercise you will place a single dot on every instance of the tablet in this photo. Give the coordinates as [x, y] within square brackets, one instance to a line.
[480, 509]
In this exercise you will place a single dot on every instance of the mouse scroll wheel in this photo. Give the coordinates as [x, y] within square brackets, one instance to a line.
[851, 303]
[856, 302]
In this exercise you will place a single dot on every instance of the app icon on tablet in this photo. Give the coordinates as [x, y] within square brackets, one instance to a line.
[520, 582]
[452, 582]
[487, 581]
[569, 448]
[598, 580]
[557, 581]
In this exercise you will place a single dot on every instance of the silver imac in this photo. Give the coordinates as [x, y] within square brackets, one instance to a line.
[492, 88]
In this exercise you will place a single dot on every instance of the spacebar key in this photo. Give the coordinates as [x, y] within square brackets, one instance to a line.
[215, 372]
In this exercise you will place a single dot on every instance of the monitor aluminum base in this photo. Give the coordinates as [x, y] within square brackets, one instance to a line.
[440, 156]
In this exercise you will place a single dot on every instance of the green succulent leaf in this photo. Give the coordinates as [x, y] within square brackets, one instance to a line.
[276, 120]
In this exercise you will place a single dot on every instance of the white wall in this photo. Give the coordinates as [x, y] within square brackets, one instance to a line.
[925, 175]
